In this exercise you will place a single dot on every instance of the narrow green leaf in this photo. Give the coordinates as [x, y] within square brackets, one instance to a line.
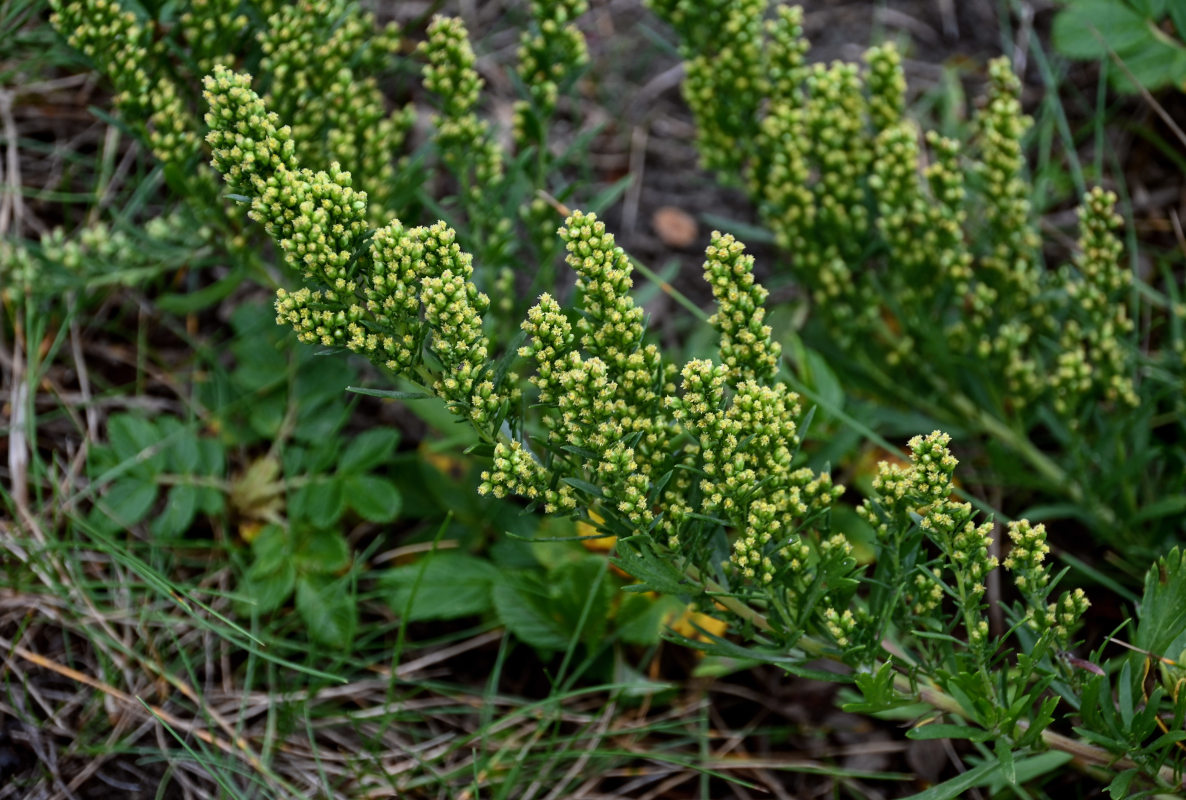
[977, 776]
[945, 731]
[390, 394]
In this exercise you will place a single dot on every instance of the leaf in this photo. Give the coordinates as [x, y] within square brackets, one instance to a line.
[266, 415]
[328, 609]
[127, 501]
[1090, 28]
[976, 776]
[179, 511]
[945, 731]
[188, 302]
[1118, 788]
[584, 597]
[324, 502]
[636, 556]
[1161, 621]
[321, 551]
[130, 436]
[450, 585]
[268, 589]
[530, 616]
[368, 450]
[640, 618]
[375, 499]
[389, 394]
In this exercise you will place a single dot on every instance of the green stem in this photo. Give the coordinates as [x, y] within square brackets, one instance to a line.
[1083, 754]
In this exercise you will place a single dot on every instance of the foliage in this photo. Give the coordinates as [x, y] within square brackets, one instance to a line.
[1145, 37]
[928, 283]
[697, 468]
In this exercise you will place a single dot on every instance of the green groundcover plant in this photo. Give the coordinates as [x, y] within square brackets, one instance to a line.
[927, 276]
[696, 470]
[927, 280]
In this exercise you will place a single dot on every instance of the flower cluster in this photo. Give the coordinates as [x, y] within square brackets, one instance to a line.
[1093, 358]
[1031, 575]
[923, 491]
[464, 139]
[320, 62]
[551, 53]
[746, 349]
[123, 49]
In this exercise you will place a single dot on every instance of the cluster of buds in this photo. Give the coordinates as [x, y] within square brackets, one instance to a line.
[1094, 360]
[123, 49]
[320, 63]
[552, 52]
[464, 139]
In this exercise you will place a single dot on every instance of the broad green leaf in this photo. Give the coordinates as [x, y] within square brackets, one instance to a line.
[321, 551]
[323, 502]
[328, 609]
[180, 505]
[640, 618]
[127, 501]
[368, 450]
[1090, 28]
[129, 437]
[585, 593]
[375, 499]
[211, 457]
[271, 549]
[184, 452]
[1161, 621]
[451, 585]
[530, 615]
[1155, 65]
[268, 589]
[266, 415]
[209, 501]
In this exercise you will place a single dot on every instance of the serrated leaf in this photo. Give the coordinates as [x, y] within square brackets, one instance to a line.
[328, 610]
[368, 450]
[1161, 621]
[636, 556]
[270, 549]
[180, 505]
[446, 585]
[375, 499]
